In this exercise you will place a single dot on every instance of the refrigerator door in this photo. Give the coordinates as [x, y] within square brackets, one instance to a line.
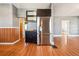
[44, 38]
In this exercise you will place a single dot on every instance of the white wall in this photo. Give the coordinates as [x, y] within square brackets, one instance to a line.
[57, 25]
[5, 23]
[14, 17]
[8, 16]
[73, 24]
[5, 15]
[21, 13]
[66, 9]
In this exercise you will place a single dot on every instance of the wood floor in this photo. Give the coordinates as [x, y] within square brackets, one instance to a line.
[70, 48]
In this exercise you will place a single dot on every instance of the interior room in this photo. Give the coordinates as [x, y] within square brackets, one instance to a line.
[39, 29]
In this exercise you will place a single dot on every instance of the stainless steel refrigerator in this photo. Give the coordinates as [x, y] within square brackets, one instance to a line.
[43, 30]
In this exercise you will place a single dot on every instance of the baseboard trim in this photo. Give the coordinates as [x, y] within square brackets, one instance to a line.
[68, 35]
[9, 43]
[57, 35]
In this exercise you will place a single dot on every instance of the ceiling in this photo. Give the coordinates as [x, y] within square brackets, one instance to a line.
[32, 5]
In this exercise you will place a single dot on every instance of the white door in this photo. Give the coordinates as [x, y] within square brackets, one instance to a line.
[65, 27]
[65, 32]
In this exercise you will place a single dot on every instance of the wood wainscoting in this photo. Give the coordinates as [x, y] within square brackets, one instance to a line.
[9, 35]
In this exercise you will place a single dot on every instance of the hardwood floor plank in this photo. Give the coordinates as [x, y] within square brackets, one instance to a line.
[20, 49]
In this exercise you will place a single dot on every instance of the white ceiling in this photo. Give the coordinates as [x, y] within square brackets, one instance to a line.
[32, 5]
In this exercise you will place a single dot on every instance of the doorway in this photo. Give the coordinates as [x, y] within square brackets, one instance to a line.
[65, 31]
[21, 28]
[65, 27]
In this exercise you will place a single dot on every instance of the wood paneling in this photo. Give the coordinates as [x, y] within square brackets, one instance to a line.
[20, 49]
[9, 34]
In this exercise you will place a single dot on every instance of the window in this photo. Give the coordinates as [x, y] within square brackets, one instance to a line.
[31, 18]
[31, 15]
